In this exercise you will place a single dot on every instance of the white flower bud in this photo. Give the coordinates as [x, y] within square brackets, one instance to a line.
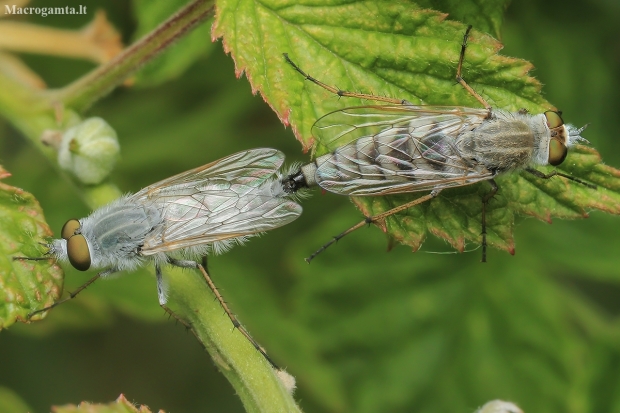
[89, 150]
[499, 406]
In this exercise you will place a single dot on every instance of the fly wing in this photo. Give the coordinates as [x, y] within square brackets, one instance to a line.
[229, 198]
[250, 168]
[343, 126]
[398, 149]
[195, 220]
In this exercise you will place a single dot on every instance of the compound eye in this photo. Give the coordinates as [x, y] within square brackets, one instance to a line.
[554, 120]
[78, 252]
[68, 230]
[557, 152]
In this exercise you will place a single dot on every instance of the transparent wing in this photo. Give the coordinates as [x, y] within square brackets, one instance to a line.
[250, 168]
[343, 126]
[397, 149]
[233, 197]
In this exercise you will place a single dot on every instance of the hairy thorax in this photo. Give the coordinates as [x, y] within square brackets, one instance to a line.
[503, 143]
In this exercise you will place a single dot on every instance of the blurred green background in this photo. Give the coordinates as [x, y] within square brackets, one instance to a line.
[361, 329]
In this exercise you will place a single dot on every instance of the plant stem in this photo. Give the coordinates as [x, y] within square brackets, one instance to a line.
[252, 377]
[98, 41]
[85, 91]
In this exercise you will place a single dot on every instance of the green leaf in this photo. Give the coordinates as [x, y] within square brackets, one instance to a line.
[401, 51]
[25, 285]
[130, 294]
[121, 405]
[177, 59]
[10, 402]
[414, 56]
[484, 15]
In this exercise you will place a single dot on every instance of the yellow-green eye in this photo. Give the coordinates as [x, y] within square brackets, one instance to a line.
[78, 252]
[557, 152]
[554, 120]
[68, 230]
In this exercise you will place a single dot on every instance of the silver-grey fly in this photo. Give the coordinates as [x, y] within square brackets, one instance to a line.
[401, 147]
[180, 219]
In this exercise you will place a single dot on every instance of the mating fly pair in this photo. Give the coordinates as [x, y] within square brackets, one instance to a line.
[400, 147]
[179, 220]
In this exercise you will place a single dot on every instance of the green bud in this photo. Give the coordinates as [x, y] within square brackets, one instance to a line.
[499, 406]
[89, 150]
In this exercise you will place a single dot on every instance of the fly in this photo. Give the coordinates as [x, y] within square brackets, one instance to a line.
[175, 221]
[400, 148]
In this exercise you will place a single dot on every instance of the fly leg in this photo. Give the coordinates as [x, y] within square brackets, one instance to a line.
[73, 294]
[32, 258]
[47, 256]
[162, 288]
[161, 293]
[551, 174]
[459, 69]
[340, 92]
[376, 218]
[218, 296]
[485, 202]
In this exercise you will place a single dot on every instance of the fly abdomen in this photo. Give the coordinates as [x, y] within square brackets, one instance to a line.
[394, 154]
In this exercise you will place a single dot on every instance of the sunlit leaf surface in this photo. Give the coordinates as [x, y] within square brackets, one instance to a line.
[25, 286]
[121, 405]
[399, 50]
